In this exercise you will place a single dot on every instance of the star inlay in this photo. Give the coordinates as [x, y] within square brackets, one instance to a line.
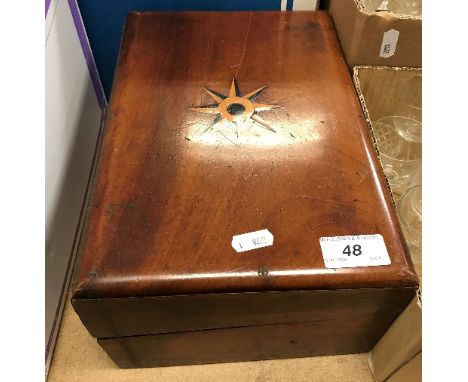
[236, 107]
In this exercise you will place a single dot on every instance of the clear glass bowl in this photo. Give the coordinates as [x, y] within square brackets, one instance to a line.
[410, 97]
[399, 142]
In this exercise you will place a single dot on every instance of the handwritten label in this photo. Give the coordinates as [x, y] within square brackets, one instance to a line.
[252, 240]
[389, 43]
[354, 251]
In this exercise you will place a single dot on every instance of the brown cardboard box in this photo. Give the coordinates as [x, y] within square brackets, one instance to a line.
[400, 345]
[397, 355]
[376, 38]
[412, 371]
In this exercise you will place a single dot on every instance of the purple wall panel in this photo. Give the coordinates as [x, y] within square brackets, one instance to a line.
[47, 5]
[88, 54]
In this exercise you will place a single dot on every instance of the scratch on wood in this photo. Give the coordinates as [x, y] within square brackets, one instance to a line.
[244, 46]
[112, 207]
[234, 143]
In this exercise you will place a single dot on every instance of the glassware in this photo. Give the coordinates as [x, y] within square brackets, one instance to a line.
[406, 7]
[400, 7]
[374, 5]
[399, 142]
[410, 213]
[410, 98]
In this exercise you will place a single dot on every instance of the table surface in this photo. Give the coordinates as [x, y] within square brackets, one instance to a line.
[78, 357]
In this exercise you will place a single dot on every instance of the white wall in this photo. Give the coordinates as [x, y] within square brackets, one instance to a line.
[72, 126]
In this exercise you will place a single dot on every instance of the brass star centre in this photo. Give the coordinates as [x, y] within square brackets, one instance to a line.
[236, 107]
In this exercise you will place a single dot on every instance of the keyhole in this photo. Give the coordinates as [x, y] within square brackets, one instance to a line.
[235, 109]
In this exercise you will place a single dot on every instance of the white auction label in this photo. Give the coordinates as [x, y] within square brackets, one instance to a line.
[389, 43]
[354, 251]
[252, 240]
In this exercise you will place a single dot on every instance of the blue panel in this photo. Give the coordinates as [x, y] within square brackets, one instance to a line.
[104, 22]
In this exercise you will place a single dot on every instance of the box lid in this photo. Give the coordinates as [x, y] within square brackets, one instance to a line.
[227, 123]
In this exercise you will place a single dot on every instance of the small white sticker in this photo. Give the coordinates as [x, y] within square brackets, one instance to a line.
[354, 251]
[389, 43]
[252, 240]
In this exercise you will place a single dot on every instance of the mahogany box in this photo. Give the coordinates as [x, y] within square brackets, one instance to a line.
[236, 186]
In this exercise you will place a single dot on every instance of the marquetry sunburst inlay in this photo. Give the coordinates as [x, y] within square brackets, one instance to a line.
[236, 108]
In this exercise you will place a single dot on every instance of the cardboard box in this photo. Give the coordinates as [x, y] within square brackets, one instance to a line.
[376, 38]
[400, 345]
[397, 355]
[412, 371]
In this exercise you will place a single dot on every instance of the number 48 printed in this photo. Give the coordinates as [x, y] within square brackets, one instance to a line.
[356, 251]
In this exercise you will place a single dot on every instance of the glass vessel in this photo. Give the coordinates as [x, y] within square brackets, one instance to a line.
[410, 98]
[399, 142]
[400, 7]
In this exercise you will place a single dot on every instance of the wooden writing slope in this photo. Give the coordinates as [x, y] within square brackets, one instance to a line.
[221, 124]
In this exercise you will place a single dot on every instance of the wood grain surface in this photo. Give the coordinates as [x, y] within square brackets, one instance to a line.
[171, 192]
[250, 343]
[118, 317]
[79, 358]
